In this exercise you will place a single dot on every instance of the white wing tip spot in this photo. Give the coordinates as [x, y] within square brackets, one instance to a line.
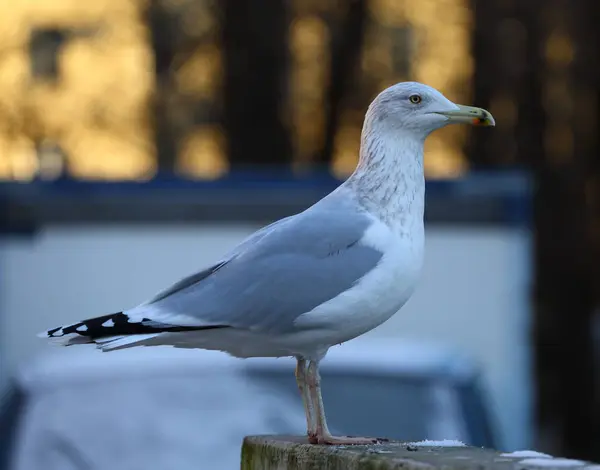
[108, 323]
[82, 328]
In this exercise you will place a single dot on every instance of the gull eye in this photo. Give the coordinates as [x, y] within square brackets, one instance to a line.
[415, 99]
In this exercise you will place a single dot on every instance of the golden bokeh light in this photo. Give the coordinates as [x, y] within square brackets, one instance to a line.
[94, 119]
[96, 111]
[201, 74]
[442, 60]
[203, 153]
[438, 52]
[309, 46]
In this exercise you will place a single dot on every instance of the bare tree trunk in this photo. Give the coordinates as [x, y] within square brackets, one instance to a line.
[346, 46]
[505, 45]
[162, 27]
[566, 250]
[548, 95]
[256, 61]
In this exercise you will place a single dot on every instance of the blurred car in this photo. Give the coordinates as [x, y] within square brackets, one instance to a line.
[163, 408]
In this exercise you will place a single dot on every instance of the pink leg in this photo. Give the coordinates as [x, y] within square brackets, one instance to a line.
[323, 436]
[311, 426]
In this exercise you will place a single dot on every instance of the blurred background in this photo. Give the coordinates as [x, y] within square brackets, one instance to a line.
[140, 139]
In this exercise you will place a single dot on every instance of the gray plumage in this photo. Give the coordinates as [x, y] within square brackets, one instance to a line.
[281, 273]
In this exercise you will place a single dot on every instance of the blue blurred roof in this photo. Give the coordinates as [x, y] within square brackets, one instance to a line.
[480, 197]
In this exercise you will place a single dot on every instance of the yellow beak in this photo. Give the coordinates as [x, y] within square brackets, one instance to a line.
[470, 115]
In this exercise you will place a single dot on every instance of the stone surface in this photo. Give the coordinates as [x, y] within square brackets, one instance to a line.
[293, 453]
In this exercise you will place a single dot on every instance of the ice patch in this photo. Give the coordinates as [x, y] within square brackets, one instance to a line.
[546, 462]
[442, 443]
[526, 454]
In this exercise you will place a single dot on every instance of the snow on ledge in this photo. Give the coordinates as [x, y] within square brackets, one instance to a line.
[546, 462]
[443, 443]
[520, 454]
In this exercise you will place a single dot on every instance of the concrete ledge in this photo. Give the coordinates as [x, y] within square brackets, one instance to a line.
[293, 453]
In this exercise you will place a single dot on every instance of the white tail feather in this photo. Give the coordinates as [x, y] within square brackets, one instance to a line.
[110, 343]
[65, 340]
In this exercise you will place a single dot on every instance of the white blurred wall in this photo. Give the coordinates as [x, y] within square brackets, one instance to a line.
[474, 293]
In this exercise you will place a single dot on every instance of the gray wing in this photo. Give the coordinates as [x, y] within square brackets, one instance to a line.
[290, 269]
[197, 277]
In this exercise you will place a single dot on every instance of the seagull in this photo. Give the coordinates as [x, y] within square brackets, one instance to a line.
[315, 279]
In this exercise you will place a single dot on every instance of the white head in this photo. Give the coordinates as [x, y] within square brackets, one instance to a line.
[389, 178]
[420, 109]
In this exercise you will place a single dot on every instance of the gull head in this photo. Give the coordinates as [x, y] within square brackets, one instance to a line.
[420, 109]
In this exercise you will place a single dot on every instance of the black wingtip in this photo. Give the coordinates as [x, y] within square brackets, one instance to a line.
[115, 324]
